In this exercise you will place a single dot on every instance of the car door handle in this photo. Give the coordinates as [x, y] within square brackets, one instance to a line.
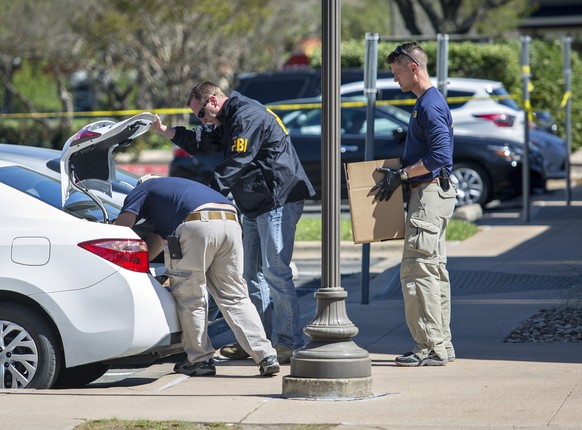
[349, 148]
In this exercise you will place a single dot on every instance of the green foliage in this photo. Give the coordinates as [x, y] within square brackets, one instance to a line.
[27, 132]
[51, 134]
[460, 230]
[116, 424]
[499, 19]
[309, 229]
[359, 16]
[37, 85]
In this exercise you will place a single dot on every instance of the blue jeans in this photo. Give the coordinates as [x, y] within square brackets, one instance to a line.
[268, 248]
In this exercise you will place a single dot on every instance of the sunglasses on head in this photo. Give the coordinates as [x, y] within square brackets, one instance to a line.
[400, 51]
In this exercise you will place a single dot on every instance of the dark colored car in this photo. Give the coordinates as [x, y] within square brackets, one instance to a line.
[484, 168]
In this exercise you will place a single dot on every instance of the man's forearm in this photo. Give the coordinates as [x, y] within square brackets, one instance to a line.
[155, 245]
[167, 132]
[162, 129]
[416, 169]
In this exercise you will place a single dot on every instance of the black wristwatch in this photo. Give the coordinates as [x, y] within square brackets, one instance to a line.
[403, 174]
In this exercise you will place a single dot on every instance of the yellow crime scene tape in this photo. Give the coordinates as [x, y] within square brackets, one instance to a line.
[98, 113]
[290, 106]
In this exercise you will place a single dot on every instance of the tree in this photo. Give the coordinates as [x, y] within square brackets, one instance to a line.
[149, 53]
[35, 33]
[461, 16]
[364, 16]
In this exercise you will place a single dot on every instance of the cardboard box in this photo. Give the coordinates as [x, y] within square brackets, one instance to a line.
[373, 221]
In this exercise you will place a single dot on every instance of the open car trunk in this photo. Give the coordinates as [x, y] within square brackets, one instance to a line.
[87, 162]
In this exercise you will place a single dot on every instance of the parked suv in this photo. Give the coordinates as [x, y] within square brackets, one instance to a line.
[292, 84]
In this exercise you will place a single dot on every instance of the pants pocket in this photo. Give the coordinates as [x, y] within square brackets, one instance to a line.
[423, 237]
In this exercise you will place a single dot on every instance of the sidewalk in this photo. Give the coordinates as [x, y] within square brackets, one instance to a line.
[501, 277]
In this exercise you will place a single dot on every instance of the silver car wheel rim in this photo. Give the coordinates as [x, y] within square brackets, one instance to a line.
[18, 356]
[469, 186]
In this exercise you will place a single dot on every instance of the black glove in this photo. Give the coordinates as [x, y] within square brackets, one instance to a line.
[387, 185]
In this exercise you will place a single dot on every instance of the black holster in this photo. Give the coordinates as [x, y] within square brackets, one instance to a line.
[444, 180]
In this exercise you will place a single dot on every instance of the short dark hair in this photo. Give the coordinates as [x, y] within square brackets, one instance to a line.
[202, 91]
[410, 51]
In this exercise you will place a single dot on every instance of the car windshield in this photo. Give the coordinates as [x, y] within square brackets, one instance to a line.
[48, 190]
[353, 121]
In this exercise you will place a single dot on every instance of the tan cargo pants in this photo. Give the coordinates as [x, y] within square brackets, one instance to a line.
[212, 261]
[423, 274]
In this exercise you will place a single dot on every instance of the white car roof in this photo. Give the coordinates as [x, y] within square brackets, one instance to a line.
[456, 83]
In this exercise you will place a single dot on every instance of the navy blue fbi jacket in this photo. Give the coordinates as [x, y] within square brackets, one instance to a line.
[261, 169]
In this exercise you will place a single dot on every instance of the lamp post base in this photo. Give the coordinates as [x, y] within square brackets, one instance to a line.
[329, 370]
[327, 389]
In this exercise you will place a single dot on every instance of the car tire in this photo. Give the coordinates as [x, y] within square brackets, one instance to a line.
[472, 184]
[79, 376]
[29, 354]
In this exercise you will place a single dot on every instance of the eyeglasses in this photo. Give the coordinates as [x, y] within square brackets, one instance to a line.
[400, 51]
[202, 112]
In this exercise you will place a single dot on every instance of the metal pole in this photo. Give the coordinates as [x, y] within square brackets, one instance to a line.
[567, 104]
[442, 63]
[330, 365]
[525, 76]
[370, 76]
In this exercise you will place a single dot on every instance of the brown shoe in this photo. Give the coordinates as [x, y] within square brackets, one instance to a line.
[234, 351]
[284, 354]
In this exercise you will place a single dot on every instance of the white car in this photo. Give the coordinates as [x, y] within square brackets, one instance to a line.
[482, 106]
[76, 292]
[48, 161]
[479, 107]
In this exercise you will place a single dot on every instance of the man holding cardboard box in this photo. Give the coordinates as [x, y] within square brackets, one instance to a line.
[426, 166]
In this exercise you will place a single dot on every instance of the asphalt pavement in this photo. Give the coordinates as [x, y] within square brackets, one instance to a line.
[511, 269]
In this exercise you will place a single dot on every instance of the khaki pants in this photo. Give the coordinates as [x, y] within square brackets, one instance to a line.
[212, 261]
[423, 274]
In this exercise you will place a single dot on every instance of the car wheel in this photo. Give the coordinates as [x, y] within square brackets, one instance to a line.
[79, 376]
[471, 183]
[29, 351]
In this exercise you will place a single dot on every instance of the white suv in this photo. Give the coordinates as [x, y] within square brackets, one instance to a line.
[478, 106]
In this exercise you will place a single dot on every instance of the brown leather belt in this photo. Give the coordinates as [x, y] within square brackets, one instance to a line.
[197, 216]
[414, 185]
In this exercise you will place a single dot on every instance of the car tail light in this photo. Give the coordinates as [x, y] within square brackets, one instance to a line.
[85, 134]
[131, 254]
[499, 119]
[180, 153]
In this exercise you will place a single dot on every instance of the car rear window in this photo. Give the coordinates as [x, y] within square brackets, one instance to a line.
[276, 88]
[406, 100]
[48, 190]
[501, 96]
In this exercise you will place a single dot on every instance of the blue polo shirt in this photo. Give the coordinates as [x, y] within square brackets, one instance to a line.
[430, 135]
[165, 202]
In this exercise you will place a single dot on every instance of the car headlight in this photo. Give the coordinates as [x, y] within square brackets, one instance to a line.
[510, 154]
